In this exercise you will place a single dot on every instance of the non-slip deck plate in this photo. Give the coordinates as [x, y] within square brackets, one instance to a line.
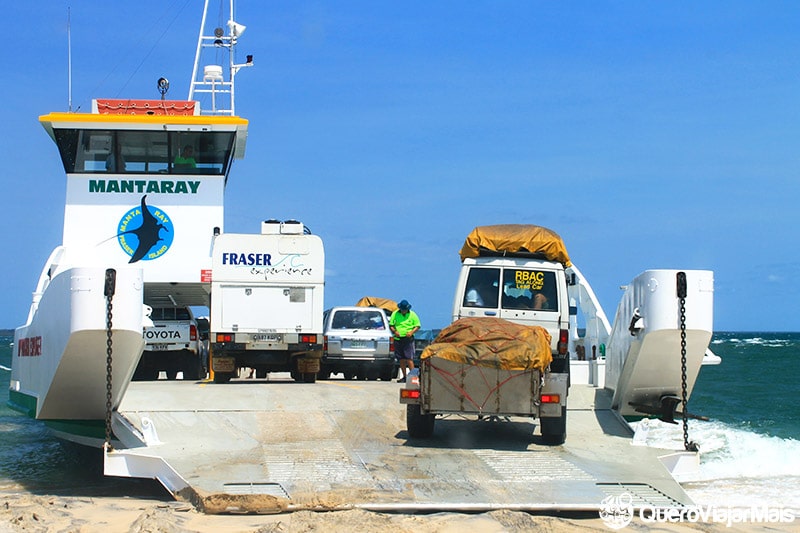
[337, 444]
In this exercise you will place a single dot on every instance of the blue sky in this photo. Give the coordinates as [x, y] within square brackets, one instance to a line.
[647, 134]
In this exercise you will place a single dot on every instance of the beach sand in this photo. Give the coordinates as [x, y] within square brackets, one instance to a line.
[110, 514]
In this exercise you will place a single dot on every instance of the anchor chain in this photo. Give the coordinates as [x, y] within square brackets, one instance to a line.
[111, 278]
[681, 283]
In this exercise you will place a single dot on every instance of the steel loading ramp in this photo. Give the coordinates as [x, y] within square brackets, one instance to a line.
[256, 446]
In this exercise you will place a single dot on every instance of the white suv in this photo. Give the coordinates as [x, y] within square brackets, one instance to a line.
[358, 343]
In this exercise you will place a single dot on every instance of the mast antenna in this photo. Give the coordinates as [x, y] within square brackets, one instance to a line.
[69, 60]
[212, 80]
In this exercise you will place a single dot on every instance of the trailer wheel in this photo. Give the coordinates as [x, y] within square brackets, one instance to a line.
[419, 425]
[554, 430]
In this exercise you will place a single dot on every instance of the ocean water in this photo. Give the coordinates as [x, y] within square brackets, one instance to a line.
[750, 447]
[32, 460]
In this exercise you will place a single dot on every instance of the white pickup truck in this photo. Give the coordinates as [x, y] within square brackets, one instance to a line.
[172, 345]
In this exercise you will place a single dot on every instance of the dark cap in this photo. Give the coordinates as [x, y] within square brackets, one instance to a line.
[404, 305]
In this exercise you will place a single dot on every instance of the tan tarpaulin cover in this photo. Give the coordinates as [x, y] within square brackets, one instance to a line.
[492, 343]
[516, 238]
[383, 303]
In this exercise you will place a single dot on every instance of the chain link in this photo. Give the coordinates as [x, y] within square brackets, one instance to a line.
[688, 446]
[109, 293]
[109, 351]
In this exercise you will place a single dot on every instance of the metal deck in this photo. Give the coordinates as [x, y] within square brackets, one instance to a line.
[271, 446]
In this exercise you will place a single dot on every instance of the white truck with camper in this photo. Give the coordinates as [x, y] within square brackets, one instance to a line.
[506, 353]
[267, 302]
[172, 345]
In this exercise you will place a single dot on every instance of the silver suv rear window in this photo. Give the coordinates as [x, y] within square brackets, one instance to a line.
[368, 319]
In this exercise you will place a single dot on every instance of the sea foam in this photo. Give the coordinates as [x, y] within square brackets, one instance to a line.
[738, 468]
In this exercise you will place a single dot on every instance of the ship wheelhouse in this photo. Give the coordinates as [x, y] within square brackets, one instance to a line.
[145, 186]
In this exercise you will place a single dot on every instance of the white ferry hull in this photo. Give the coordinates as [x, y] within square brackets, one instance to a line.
[59, 370]
[643, 361]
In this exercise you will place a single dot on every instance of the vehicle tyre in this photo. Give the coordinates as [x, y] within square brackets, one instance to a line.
[419, 426]
[139, 373]
[561, 366]
[193, 369]
[310, 377]
[145, 370]
[191, 373]
[349, 375]
[389, 373]
[324, 374]
[554, 430]
[222, 377]
[261, 373]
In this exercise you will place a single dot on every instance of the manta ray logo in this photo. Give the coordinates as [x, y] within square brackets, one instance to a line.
[145, 232]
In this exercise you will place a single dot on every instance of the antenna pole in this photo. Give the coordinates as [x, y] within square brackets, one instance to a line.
[69, 60]
[212, 80]
[197, 53]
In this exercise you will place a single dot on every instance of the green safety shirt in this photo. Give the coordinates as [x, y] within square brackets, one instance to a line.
[404, 323]
[185, 161]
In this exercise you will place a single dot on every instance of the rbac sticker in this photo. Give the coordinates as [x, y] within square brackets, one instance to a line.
[529, 279]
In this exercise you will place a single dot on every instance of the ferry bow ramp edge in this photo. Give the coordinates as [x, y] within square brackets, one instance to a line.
[522, 403]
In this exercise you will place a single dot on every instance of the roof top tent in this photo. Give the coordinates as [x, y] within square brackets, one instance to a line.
[146, 178]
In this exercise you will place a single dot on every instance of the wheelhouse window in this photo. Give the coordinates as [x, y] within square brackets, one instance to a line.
[144, 152]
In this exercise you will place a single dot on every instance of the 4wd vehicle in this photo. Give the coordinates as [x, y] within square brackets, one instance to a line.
[172, 345]
[511, 275]
[357, 343]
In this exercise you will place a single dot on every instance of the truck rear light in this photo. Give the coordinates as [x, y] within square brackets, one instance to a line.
[224, 337]
[412, 394]
[391, 345]
[325, 343]
[563, 341]
[550, 398]
[193, 332]
[309, 339]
